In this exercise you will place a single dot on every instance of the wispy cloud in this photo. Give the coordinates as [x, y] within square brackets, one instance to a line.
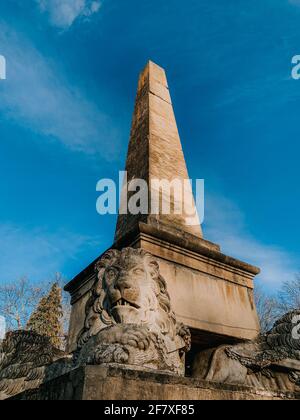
[226, 226]
[295, 2]
[38, 97]
[63, 13]
[37, 253]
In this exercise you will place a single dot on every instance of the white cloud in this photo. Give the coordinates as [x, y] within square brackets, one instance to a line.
[36, 253]
[36, 95]
[226, 226]
[63, 13]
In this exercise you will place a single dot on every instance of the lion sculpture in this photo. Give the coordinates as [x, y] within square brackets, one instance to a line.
[27, 360]
[271, 362]
[129, 319]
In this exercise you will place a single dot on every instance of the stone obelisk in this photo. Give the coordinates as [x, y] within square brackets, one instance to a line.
[155, 153]
[210, 292]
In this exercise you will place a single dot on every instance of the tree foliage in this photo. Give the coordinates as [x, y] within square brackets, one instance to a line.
[46, 319]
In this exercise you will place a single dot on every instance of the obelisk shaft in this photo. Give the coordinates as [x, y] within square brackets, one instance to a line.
[155, 152]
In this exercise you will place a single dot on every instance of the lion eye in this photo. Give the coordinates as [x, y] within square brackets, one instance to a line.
[139, 271]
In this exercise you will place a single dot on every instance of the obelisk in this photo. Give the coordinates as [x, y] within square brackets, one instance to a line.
[155, 153]
[211, 293]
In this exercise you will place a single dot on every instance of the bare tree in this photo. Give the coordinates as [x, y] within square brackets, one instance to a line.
[267, 309]
[18, 300]
[289, 295]
[270, 308]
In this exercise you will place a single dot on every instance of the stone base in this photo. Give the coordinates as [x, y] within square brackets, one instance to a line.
[210, 292]
[114, 383]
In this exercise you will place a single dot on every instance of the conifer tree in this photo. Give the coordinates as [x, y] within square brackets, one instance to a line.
[46, 319]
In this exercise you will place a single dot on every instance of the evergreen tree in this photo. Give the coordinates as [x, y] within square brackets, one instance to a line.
[46, 319]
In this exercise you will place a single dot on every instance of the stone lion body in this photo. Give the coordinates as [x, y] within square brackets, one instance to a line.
[272, 361]
[129, 317]
[28, 359]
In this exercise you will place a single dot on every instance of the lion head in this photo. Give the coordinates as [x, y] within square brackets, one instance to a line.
[130, 290]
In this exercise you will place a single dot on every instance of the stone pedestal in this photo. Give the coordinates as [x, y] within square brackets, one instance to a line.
[114, 383]
[210, 292]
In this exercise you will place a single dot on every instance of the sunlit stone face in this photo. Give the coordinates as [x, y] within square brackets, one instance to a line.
[131, 291]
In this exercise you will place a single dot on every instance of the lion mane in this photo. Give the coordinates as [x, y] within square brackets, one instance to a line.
[97, 309]
[145, 309]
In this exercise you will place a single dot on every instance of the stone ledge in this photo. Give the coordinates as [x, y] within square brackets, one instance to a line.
[197, 245]
[112, 382]
[169, 233]
[173, 237]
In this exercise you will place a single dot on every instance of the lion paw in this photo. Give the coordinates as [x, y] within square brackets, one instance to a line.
[138, 337]
[111, 353]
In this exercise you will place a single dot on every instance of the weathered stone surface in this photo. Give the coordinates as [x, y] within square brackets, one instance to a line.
[115, 383]
[26, 361]
[155, 152]
[129, 318]
[210, 292]
[272, 361]
[128, 343]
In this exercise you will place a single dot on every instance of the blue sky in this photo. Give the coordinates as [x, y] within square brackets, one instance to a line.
[65, 113]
